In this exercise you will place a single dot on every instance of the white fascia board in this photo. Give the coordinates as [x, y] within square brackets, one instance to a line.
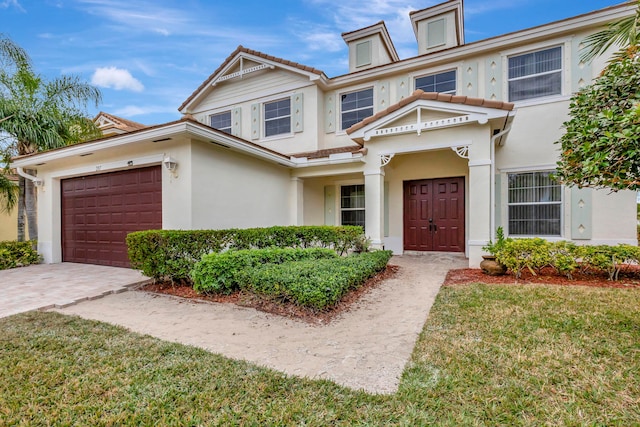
[237, 145]
[443, 106]
[505, 41]
[187, 129]
[100, 145]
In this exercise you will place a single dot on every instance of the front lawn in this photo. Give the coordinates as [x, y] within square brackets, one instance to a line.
[499, 354]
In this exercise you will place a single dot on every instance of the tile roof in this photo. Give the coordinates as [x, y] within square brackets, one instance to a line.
[185, 118]
[120, 123]
[433, 96]
[230, 58]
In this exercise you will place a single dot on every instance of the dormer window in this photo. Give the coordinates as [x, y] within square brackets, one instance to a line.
[441, 82]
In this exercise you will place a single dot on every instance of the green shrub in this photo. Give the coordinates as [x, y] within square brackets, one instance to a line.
[518, 254]
[172, 254]
[315, 284]
[17, 254]
[608, 258]
[217, 273]
[563, 257]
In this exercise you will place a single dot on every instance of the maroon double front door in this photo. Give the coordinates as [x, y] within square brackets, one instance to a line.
[98, 211]
[434, 215]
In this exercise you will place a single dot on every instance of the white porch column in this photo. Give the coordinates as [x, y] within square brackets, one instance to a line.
[49, 220]
[479, 208]
[296, 202]
[374, 205]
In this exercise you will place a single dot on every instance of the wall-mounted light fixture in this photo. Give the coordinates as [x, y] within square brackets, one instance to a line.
[170, 164]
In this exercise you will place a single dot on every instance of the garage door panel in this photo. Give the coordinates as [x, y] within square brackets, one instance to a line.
[99, 211]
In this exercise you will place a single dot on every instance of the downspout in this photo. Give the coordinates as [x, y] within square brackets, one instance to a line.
[492, 190]
[38, 182]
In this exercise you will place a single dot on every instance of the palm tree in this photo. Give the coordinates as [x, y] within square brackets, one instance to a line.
[624, 33]
[38, 115]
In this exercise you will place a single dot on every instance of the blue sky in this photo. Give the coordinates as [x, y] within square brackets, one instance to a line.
[148, 56]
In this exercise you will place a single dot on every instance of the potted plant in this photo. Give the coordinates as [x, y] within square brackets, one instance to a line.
[490, 264]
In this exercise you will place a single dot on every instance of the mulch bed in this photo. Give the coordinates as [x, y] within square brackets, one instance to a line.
[281, 308]
[629, 278]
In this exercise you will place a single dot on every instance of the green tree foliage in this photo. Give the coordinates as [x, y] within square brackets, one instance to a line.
[37, 114]
[601, 146]
[625, 32]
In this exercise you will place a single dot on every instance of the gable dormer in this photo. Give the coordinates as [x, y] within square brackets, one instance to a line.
[111, 125]
[370, 47]
[439, 27]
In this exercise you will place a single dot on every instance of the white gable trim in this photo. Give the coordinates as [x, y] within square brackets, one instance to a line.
[466, 114]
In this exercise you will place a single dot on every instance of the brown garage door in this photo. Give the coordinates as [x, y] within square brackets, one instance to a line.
[99, 210]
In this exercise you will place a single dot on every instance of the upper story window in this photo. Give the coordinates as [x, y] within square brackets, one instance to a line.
[355, 107]
[277, 117]
[535, 204]
[441, 82]
[535, 74]
[222, 121]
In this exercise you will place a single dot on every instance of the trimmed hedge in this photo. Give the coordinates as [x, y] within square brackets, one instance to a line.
[17, 254]
[317, 284]
[172, 254]
[536, 253]
[218, 273]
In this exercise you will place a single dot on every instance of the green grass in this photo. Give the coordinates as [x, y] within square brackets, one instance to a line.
[488, 355]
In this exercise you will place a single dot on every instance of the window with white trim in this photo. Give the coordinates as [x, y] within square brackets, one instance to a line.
[535, 74]
[352, 205]
[534, 204]
[355, 107]
[277, 117]
[222, 121]
[440, 82]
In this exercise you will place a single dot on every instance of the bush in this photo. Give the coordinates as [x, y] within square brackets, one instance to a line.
[563, 257]
[315, 284]
[172, 254]
[609, 258]
[518, 254]
[217, 273]
[17, 254]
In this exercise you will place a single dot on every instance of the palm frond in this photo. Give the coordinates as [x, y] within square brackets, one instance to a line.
[622, 33]
[8, 194]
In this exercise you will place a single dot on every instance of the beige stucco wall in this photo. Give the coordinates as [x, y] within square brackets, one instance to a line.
[9, 225]
[231, 190]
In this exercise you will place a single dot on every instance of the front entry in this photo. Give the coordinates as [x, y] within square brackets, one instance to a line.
[434, 215]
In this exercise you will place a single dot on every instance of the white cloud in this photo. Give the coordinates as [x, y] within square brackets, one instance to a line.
[323, 40]
[116, 78]
[5, 4]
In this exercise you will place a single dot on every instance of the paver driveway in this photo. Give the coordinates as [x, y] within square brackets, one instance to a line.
[60, 285]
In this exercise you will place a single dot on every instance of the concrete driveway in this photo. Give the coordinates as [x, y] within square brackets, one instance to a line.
[366, 347]
[60, 285]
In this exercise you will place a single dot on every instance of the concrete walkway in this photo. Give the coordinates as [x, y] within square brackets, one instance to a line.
[366, 347]
[59, 285]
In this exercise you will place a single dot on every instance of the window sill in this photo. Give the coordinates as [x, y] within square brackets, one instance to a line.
[541, 101]
[277, 137]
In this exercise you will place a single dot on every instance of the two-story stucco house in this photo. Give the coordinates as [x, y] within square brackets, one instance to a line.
[429, 153]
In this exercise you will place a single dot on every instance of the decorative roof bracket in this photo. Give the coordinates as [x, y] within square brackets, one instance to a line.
[243, 71]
